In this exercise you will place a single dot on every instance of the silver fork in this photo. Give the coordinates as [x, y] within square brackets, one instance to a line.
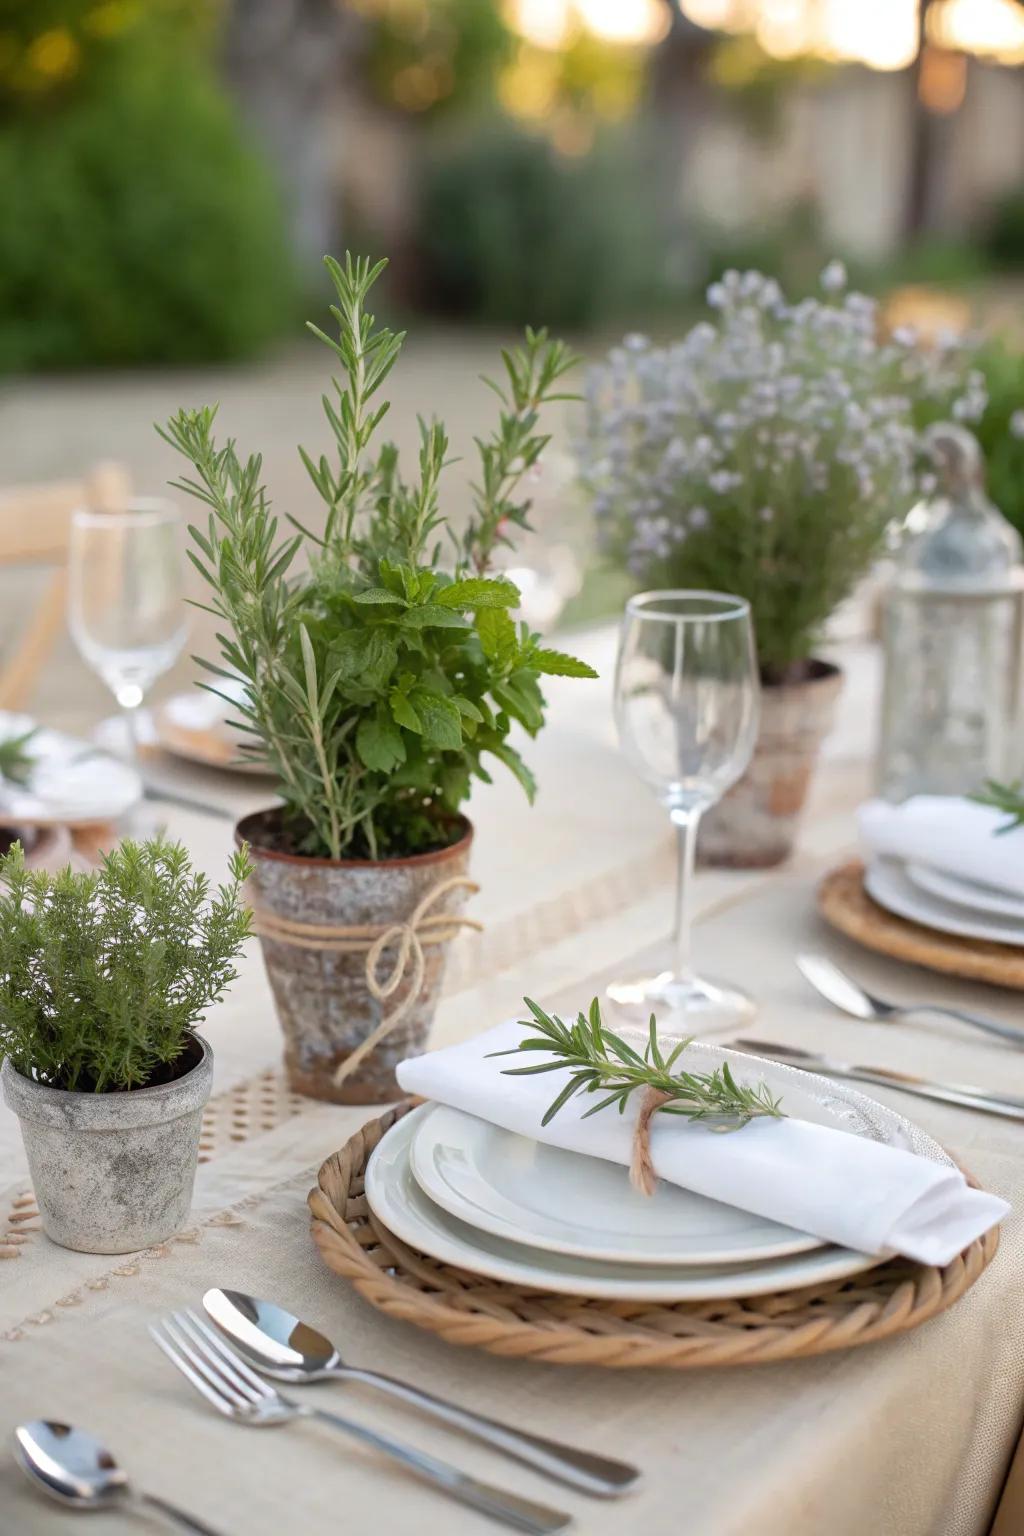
[224, 1379]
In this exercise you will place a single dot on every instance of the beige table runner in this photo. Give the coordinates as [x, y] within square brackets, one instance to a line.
[907, 1438]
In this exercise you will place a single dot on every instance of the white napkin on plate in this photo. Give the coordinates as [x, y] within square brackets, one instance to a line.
[840, 1187]
[950, 833]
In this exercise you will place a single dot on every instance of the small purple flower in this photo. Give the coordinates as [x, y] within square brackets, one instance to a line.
[833, 278]
[698, 517]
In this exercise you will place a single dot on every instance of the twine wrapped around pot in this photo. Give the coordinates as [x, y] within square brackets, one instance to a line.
[423, 927]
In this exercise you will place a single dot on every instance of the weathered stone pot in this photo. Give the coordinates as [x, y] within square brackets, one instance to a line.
[755, 824]
[324, 1005]
[112, 1172]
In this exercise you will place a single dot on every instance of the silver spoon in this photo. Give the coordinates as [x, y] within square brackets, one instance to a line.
[281, 1346]
[76, 1470]
[843, 992]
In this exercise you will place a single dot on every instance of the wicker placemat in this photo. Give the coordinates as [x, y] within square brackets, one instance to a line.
[843, 902]
[511, 1320]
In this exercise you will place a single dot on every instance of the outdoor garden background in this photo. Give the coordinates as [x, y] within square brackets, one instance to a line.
[173, 170]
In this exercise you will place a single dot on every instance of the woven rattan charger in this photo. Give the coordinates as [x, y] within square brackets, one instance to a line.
[845, 904]
[511, 1320]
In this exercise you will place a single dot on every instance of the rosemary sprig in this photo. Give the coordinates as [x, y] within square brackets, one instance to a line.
[603, 1062]
[1003, 797]
[15, 762]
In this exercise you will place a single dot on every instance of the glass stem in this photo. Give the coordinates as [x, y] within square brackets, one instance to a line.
[685, 820]
[130, 716]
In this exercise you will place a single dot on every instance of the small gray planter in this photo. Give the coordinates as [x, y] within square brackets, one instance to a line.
[113, 1172]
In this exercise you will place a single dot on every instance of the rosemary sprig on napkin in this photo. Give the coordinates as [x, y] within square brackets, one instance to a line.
[15, 762]
[603, 1061]
[1004, 797]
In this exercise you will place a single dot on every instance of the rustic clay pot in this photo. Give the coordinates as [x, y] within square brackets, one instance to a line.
[755, 824]
[322, 998]
[112, 1172]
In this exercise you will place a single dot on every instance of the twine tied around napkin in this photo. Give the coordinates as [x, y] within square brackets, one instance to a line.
[641, 1170]
[422, 928]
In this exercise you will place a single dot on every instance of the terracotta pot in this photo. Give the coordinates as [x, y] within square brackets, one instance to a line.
[113, 1172]
[755, 824]
[324, 1005]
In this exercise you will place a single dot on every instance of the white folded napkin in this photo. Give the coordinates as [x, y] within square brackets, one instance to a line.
[67, 781]
[950, 833]
[840, 1187]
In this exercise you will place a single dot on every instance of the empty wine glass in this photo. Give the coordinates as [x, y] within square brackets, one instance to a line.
[686, 708]
[126, 606]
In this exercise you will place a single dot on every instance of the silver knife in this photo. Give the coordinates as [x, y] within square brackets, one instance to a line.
[187, 802]
[963, 1094]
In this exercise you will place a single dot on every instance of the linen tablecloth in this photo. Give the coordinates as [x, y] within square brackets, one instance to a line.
[910, 1437]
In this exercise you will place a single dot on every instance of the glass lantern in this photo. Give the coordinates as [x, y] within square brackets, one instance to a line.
[954, 622]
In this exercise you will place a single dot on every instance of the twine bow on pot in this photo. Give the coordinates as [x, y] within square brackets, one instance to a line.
[423, 927]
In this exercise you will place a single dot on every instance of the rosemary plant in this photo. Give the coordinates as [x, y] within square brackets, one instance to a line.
[104, 974]
[1008, 798]
[602, 1062]
[15, 761]
[379, 679]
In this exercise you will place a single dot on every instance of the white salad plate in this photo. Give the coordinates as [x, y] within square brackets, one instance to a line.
[524, 1191]
[966, 893]
[887, 882]
[561, 1201]
[196, 726]
[398, 1201]
[68, 784]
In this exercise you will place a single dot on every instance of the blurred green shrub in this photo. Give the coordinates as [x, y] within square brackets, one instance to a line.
[137, 225]
[1001, 429]
[1004, 236]
[511, 231]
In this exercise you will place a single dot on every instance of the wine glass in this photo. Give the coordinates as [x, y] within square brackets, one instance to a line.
[126, 605]
[686, 708]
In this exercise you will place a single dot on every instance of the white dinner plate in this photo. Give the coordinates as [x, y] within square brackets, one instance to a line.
[527, 1192]
[965, 893]
[69, 784]
[398, 1201]
[887, 882]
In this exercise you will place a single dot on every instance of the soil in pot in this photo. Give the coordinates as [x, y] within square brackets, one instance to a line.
[755, 824]
[113, 1172]
[323, 1002]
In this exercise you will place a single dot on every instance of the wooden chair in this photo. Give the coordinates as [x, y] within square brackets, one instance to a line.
[34, 526]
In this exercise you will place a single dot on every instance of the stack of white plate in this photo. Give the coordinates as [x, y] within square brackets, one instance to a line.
[68, 783]
[512, 1209]
[945, 901]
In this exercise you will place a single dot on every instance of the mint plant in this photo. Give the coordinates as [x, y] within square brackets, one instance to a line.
[380, 678]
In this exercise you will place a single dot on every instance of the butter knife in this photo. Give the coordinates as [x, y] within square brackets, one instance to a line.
[963, 1094]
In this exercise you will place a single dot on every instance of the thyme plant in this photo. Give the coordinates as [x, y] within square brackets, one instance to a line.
[767, 453]
[379, 677]
[103, 975]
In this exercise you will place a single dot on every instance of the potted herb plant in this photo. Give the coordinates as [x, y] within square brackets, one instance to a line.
[382, 672]
[766, 454]
[103, 977]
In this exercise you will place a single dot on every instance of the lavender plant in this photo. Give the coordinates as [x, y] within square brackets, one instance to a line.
[767, 453]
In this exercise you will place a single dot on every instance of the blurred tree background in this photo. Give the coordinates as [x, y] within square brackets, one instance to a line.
[174, 169]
